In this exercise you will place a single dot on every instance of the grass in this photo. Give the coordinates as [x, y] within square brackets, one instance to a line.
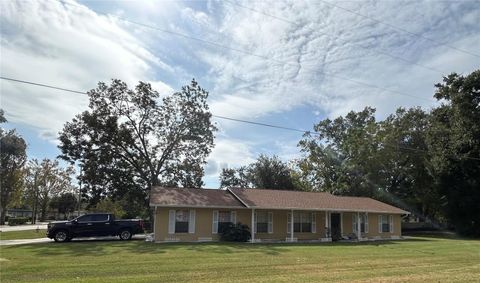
[420, 259]
[25, 234]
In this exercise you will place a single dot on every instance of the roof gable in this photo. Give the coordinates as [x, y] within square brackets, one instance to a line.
[160, 196]
[283, 199]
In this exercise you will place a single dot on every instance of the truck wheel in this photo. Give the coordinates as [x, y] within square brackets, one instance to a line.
[61, 236]
[125, 235]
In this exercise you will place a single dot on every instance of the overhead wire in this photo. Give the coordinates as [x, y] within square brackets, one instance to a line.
[400, 28]
[246, 52]
[219, 116]
[334, 37]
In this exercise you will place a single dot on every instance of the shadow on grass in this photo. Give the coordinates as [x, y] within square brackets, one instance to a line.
[111, 247]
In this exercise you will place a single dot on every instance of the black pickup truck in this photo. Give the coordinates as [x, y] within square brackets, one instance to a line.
[91, 225]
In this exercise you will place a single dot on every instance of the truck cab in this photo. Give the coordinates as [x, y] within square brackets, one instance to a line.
[93, 225]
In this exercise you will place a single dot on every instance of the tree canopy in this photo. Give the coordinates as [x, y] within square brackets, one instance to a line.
[454, 138]
[131, 140]
[45, 180]
[12, 159]
[265, 173]
[427, 162]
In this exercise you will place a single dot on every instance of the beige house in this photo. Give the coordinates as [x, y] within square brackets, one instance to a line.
[191, 215]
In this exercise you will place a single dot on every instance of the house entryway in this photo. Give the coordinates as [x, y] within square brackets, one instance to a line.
[336, 230]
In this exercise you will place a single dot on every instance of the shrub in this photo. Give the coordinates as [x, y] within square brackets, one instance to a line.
[147, 226]
[17, 221]
[236, 233]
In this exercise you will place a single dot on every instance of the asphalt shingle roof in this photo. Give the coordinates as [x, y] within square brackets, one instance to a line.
[192, 197]
[280, 199]
[266, 199]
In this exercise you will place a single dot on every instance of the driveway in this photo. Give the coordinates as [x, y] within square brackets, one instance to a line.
[139, 237]
[6, 228]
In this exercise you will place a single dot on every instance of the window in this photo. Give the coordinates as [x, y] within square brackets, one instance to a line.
[100, 217]
[363, 222]
[224, 220]
[302, 222]
[262, 222]
[181, 221]
[85, 218]
[385, 223]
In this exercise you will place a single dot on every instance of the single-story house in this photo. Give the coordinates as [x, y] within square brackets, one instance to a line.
[191, 215]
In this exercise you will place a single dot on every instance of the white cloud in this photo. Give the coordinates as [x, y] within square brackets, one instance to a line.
[75, 48]
[228, 153]
[68, 46]
[329, 44]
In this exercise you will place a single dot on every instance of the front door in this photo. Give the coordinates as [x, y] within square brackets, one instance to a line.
[336, 230]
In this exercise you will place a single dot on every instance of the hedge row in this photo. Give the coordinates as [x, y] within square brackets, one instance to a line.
[17, 221]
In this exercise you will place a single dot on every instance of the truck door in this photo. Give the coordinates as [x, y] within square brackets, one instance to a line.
[84, 226]
[102, 226]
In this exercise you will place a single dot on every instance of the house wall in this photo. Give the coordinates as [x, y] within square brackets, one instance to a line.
[347, 225]
[280, 222]
[204, 219]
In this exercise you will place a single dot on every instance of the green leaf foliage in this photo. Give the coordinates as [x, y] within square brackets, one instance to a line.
[130, 140]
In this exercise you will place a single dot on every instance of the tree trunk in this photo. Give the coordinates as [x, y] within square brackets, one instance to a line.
[43, 215]
[3, 213]
[35, 208]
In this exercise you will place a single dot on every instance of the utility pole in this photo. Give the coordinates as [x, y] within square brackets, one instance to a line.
[79, 192]
[35, 197]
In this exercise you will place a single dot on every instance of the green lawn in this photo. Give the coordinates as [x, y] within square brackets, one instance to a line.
[419, 259]
[27, 234]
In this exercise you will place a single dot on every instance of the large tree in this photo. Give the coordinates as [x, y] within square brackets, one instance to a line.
[454, 137]
[46, 180]
[131, 140]
[265, 173]
[64, 203]
[404, 156]
[12, 159]
[387, 160]
[339, 157]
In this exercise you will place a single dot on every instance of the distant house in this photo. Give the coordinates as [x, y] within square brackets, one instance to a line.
[199, 215]
[17, 212]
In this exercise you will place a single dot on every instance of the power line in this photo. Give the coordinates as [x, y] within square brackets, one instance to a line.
[334, 37]
[246, 52]
[263, 124]
[224, 117]
[42, 85]
[401, 29]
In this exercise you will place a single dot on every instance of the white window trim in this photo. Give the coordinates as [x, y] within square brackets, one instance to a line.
[289, 223]
[191, 221]
[270, 222]
[313, 223]
[354, 223]
[171, 221]
[215, 222]
[233, 217]
[390, 223]
[363, 219]
[366, 222]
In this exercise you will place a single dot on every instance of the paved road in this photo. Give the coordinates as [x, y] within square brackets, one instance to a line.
[5, 228]
[21, 242]
[139, 237]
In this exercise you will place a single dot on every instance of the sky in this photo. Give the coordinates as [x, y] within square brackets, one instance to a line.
[288, 63]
